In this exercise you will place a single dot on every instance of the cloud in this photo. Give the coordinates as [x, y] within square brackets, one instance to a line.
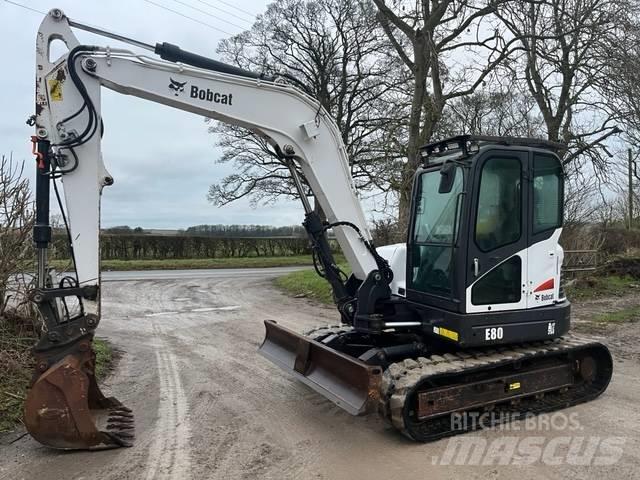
[162, 159]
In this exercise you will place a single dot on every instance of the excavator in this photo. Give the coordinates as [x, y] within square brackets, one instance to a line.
[466, 318]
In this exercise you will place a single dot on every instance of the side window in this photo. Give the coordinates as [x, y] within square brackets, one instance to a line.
[434, 221]
[547, 193]
[500, 285]
[498, 221]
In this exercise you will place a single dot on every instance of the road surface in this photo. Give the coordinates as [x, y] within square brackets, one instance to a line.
[208, 406]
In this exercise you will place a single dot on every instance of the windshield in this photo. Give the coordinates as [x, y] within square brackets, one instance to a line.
[435, 214]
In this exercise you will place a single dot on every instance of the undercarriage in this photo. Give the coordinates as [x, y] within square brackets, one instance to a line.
[429, 390]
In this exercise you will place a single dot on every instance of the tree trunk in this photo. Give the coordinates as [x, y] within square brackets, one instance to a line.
[420, 71]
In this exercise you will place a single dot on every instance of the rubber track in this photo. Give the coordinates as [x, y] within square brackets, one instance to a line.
[318, 333]
[401, 379]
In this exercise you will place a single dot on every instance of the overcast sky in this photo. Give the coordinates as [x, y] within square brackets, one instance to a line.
[158, 182]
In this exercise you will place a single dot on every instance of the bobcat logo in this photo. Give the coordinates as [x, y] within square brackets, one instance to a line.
[176, 87]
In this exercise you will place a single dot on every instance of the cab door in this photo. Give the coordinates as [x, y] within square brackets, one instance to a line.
[497, 261]
[545, 224]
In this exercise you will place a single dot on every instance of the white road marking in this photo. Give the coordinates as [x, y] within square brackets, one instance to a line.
[196, 274]
[211, 309]
[228, 308]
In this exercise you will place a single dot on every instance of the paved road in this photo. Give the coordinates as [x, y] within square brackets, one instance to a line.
[208, 406]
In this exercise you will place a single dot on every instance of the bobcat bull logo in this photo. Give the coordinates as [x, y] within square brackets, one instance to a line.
[176, 87]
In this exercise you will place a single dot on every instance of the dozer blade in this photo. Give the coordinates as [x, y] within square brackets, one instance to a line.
[346, 381]
[65, 409]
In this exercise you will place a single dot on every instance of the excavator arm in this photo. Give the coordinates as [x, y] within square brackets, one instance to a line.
[67, 143]
[293, 123]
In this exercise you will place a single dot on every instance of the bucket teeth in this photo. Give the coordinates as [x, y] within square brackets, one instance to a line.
[120, 427]
[114, 426]
[113, 414]
[121, 420]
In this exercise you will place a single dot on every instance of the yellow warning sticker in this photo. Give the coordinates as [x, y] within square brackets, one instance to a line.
[514, 386]
[55, 90]
[446, 333]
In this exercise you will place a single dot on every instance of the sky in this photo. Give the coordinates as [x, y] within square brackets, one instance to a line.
[159, 183]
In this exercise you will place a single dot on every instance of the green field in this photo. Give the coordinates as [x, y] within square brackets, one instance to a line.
[309, 284]
[594, 287]
[195, 263]
[631, 314]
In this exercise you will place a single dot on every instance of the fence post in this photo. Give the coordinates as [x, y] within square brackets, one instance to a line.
[630, 190]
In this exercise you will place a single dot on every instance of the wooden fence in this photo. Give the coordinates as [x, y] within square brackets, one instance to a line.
[576, 261]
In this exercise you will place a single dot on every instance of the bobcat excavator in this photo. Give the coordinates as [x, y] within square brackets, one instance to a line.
[467, 317]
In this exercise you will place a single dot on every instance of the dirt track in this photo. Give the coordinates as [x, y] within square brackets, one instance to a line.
[208, 406]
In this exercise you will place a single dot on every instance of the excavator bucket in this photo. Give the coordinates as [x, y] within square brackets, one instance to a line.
[346, 381]
[65, 409]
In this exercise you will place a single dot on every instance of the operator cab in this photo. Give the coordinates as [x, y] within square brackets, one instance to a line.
[483, 238]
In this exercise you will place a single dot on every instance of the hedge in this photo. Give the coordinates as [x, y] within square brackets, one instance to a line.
[148, 247]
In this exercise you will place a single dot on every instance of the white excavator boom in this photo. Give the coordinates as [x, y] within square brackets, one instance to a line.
[287, 118]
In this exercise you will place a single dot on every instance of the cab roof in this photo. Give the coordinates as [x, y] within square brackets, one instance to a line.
[463, 146]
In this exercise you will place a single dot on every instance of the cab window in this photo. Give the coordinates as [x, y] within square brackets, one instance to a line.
[500, 285]
[547, 193]
[435, 228]
[499, 216]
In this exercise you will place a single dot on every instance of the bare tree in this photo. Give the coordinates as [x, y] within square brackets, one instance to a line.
[584, 198]
[450, 48]
[623, 71]
[16, 221]
[331, 50]
[492, 112]
[385, 231]
[562, 66]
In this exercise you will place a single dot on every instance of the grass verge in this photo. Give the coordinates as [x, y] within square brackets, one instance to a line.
[14, 381]
[17, 368]
[196, 263]
[309, 284]
[631, 314]
[589, 288]
[104, 357]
